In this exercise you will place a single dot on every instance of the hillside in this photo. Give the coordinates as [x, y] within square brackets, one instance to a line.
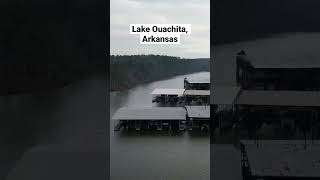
[128, 71]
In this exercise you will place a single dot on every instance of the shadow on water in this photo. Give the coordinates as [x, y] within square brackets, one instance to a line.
[195, 133]
[142, 134]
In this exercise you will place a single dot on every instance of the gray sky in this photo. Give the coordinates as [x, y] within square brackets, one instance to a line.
[194, 12]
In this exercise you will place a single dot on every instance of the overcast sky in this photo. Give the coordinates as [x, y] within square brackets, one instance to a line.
[194, 12]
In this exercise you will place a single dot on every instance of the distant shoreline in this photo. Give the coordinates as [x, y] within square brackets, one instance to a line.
[129, 71]
[112, 89]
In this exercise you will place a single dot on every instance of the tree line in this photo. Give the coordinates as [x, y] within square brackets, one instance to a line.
[128, 71]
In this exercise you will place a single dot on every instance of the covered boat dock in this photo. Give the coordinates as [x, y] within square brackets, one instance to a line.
[197, 96]
[151, 118]
[193, 84]
[199, 117]
[165, 96]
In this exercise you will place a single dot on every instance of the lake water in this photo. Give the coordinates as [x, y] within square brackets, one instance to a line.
[157, 156]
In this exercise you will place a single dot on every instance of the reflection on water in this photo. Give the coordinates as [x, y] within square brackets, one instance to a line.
[154, 155]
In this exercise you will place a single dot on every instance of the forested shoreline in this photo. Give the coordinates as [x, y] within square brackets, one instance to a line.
[129, 71]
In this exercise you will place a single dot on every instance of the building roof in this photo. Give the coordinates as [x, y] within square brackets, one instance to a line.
[160, 91]
[279, 98]
[150, 113]
[283, 158]
[224, 95]
[197, 80]
[198, 111]
[197, 92]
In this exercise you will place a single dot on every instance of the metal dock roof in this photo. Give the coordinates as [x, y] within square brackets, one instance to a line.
[160, 91]
[150, 113]
[197, 92]
[198, 111]
[193, 81]
[279, 98]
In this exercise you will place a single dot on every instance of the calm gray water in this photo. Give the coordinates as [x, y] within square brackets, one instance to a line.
[163, 157]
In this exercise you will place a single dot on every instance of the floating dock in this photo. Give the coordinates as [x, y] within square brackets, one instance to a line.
[199, 117]
[193, 84]
[167, 96]
[188, 107]
[181, 97]
[163, 118]
[199, 97]
[151, 118]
